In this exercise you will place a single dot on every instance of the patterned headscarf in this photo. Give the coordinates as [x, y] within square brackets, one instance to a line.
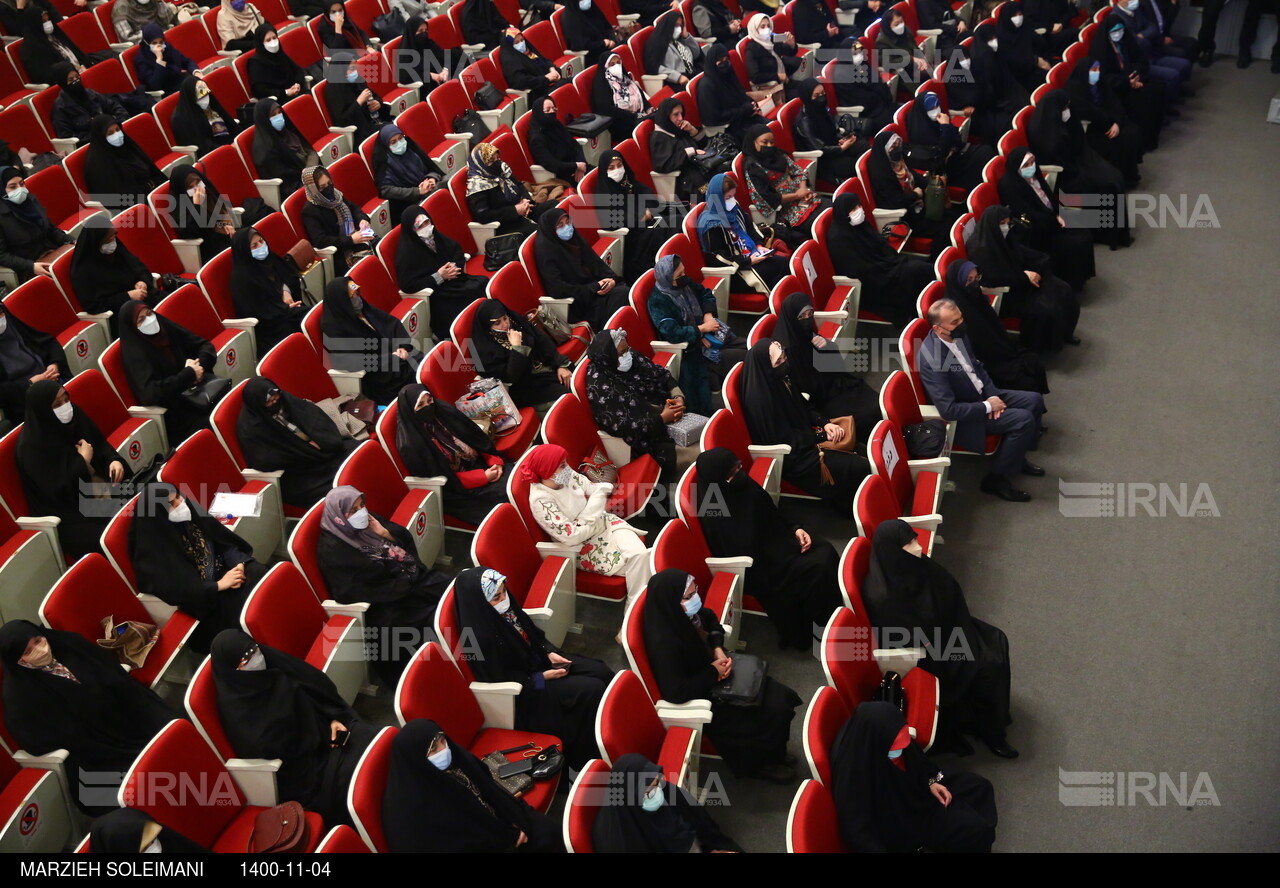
[482, 174]
[337, 503]
[490, 580]
[346, 224]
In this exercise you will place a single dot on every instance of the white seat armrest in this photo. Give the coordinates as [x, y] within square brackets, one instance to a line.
[613, 232]
[843, 280]
[259, 475]
[936, 464]
[101, 316]
[432, 482]
[326, 252]
[820, 317]
[661, 345]
[256, 779]
[693, 718]
[547, 549]
[926, 522]
[734, 563]
[240, 323]
[337, 609]
[339, 130]
[813, 155]
[719, 270]
[185, 149]
[147, 412]
[46, 761]
[417, 294]
[33, 522]
[680, 710]
[928, 411]
[899, 660]
[773, 450]
[552, 300]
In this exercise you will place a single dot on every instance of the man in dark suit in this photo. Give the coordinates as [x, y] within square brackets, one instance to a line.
[960, 388]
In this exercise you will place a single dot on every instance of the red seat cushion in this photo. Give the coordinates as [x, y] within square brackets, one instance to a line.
[755, 303]
[635, 485]
[926, 489]
[518, 441]
[760, 467]
[173, 634]
[235, 838]
[492, 739]
[597, 586]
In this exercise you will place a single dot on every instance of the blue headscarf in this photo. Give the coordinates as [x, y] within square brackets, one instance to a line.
[715, 213]
[684, 298]
[406, 170]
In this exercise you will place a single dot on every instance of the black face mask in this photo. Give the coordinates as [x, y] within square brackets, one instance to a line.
[327, 192]
[895, 155]
[76, 89]
[679, 283]
[780, 371]
[769, 152]
[276, 407]
[426, 413]
[958, 331]
[724, 66]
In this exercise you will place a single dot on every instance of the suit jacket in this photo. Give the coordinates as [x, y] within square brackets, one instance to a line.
[953, 393]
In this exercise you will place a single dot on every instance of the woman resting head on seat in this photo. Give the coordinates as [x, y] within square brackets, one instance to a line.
[62, 691]
[129, 831]
[273, 705]
[572, 510]
[434, 438]
[191, 560]
[441, 798]
[278, 431]
[358, 335]
[507, 346]
[559, 692]
[370, 558]
[645, 813]
[65, 465]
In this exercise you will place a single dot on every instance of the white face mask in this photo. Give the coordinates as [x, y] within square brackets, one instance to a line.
[675, 35]
[398, 148]
[116, 139]
[191, 192]
[271, 45]
[858, 216]
[964, 63]
[65, 412]
[935, 114]
[993, 43]
[625, 361]
[4, 323]
[563, 476]
[1066, 114]
[1004, 230]
[203, 102]
[48, 27]
[150, 326]
[17, 196]
[1017, 19]
[108, 247]
[859, 58]
[731, 204]
[504, 605]
[899, 28]
[256, 663]
[181, 513]
[334, 16]
[153, 848]
[616, 71]
[426, 231]
[359, 520]
[766, 33]
[619, 174]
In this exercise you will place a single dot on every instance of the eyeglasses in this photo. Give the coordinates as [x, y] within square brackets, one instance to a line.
[248, 655]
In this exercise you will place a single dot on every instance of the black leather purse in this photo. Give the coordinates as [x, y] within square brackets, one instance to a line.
[890, 691]
[925, 440]
[501, 249]
[745, 683]
[487, 97]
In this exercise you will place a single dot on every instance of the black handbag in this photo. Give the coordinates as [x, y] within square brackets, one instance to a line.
[588, 125]
[209, 391]
[501, 249]
[471, 123]
[890, 691]
[487, 97]
[745, 684]
[389, 25]
[925, 440]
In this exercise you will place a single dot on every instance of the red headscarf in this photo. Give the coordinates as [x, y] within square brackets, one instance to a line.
[542, 462]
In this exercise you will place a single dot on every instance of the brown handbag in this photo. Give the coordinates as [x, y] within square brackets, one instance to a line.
[131, 641]
[280, 830]
[846, 444]
[303, 256]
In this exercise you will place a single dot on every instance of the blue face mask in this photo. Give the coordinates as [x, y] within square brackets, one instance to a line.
[584, 5]
[624, 362]
[442, 759]
[1094, 77]
[1116, 35]
[565, 233]
[693, 605]
[519, 47]
[895, 753]
[277, 121]
[260, 252]
[652, 800]
[1027, 171]
[353, 76]
[116, 139]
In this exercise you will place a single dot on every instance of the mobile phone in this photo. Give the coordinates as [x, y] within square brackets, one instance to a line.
[341, 740]
[512, 769]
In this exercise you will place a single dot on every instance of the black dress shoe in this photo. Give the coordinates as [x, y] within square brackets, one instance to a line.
[1206, 58]
[1001, 748]
[1043, 428]
[1275, 64]
[1244, 59]
[1030, 468]
[999, 485]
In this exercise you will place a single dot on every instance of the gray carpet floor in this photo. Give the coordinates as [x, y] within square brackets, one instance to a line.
[1142, 645]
